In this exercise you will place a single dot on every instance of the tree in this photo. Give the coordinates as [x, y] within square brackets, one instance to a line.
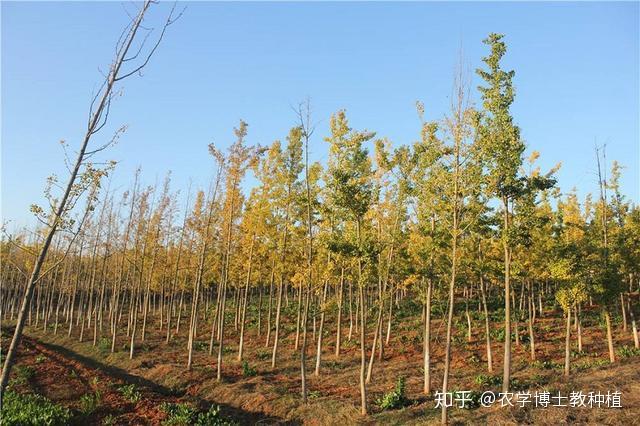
[288, 168]
[202, 225]
[78, 179]
[350, 188]
[568, 268]
[459, 180]
[605, 276]
[240, 157]
[426, 235]
[503, 150]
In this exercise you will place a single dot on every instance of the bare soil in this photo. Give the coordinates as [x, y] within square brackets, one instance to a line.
[272, 395]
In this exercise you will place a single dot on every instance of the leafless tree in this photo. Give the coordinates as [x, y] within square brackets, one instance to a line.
[131, 55]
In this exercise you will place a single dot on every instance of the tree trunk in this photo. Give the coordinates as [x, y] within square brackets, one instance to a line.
[530, 309]
[612, 356]
[427, 340]
[447, 351]
[339, 320]
[321, 328]
[567, 344]
[634, 326]
[624, 313]
[487, 326]
[273, 265]
[506, 376]
[246, 298]
[277, 329]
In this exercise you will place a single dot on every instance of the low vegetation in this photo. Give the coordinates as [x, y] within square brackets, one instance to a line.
[32, 410]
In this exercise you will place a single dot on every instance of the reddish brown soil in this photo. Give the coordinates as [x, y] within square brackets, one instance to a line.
[64, 377]
[272, 396]
[65, 380]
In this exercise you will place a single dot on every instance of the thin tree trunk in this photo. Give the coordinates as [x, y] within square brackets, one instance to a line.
[579, 329]
[339, 320]
[427, 340]
[321, 328]
[273, 267]
[612, 356]
[624, 312]
[530, 308]
[487, 326]
[246, 297]
[567, 344]
[634, 326]
[506, 376]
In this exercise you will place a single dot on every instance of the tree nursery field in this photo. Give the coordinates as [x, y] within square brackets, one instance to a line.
[445, 279]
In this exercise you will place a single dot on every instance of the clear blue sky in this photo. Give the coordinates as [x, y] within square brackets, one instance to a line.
[576, 79]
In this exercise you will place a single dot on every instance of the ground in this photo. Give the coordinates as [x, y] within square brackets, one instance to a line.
[64, 369]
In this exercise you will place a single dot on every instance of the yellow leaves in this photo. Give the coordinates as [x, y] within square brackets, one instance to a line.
[409, 281]
[298, 279]
[572, 218]
[36, 209]
[339, 125]
[217, 154]
[561, 270]
[554, 169]
[196, 216]
[571, 295]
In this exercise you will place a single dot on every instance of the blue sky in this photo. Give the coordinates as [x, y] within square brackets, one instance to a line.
[576, 81]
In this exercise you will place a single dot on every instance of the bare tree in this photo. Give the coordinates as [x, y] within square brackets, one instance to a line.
[131, 57]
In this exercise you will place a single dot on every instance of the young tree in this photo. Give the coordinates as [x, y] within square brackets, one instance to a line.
[606, 278]
[350, 188]
[459, 180]
[503, 148]
[239, 159]
[426, 233]
[311, 177]
[568, 267]
[202, 225]
[288, 168]
[77, 182]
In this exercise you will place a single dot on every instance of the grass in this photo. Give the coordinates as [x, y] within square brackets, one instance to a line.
[23, 373]
[263, 354]
[394, 399]
[628, 351]
[178, 414]
[110, 420]
[486, 381]
[89, 403]
[314, 394]
[130, 393]
[183, 414]
[104, 345]
[247, 370]
[547, 365]
[591, 364]
[32, 410]
[201, 346]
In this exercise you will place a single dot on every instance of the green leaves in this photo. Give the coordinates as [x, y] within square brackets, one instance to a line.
[349, 173]
[499, 137]
[394, 399]
[36, 410]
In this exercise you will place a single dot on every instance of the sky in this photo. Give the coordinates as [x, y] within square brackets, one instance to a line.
[576, 65]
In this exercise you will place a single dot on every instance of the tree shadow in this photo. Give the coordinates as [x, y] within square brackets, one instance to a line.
[244, 417]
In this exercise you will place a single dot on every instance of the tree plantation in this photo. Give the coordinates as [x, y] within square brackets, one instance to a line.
[353, 289]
